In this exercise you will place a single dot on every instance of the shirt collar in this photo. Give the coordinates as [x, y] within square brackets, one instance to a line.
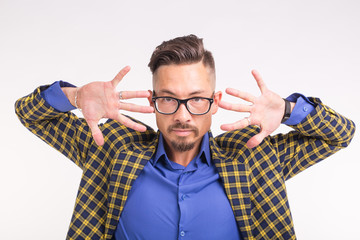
[204, 150]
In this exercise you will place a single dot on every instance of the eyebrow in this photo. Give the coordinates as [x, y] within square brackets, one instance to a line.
[165, 91]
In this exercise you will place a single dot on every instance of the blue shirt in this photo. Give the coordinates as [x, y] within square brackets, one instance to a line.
[170, 201]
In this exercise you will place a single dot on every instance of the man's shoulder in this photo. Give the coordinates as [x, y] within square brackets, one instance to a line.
[232, 144]
[240, 136]
[114, 131]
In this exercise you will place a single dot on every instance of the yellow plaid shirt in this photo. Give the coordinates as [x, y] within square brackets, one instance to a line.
[254, 179]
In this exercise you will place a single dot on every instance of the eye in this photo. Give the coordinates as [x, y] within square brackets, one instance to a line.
[167, 100]
[197, 100]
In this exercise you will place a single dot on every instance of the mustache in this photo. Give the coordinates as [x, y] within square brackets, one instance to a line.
[183, 126]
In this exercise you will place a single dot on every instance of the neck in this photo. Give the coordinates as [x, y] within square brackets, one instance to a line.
[182, 157]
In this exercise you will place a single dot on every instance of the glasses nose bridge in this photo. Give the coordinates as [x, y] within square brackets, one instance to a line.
[183, 101]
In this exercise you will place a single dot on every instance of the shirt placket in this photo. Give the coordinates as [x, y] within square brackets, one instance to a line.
[182, 203]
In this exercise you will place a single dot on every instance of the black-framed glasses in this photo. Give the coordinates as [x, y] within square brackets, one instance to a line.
[195, 105]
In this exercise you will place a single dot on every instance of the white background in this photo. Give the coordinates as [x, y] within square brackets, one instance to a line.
[312, 47]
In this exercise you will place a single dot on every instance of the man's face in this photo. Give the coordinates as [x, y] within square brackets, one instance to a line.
[183, 131]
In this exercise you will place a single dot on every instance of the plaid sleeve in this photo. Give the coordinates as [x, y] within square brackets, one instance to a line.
[322, 133]
[64, 131]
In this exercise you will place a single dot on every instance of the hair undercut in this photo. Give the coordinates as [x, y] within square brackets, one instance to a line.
[181, 50]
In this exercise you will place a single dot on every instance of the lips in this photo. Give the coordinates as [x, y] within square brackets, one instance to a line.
[182, 132]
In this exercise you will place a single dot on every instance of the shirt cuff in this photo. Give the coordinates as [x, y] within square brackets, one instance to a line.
[302, 108]
[56, 98]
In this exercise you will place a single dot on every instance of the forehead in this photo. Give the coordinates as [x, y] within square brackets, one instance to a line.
[183, 79]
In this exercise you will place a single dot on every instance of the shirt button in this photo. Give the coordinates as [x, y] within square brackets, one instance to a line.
[305, 109]
[182, 233]
[183, 197]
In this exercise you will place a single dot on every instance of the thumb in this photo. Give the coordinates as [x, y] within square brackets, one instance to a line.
[257, 139]
[96, 132]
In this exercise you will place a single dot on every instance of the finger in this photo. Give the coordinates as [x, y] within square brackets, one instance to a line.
[96, 132]
[134, 94]
[260, 82]
[120, 76]
[135, 108]
[235, 107]
[240, 94]
[236, 125]
[256, 140]
[130, 124]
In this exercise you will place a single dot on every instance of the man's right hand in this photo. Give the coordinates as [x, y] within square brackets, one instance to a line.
[101, 100]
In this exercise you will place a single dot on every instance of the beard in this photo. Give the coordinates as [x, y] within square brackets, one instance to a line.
[181, 145]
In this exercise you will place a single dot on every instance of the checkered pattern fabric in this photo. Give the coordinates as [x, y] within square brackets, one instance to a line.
[253, 178]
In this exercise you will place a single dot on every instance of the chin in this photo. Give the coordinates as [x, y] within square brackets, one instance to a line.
[182, 146]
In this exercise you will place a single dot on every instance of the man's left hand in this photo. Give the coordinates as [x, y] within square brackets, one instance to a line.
[266, 111]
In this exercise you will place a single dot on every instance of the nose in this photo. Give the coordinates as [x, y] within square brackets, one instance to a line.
[182, 114]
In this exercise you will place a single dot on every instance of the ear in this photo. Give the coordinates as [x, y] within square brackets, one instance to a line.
[217, 99]
[151, 103]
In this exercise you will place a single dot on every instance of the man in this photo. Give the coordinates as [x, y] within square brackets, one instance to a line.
[181, 182]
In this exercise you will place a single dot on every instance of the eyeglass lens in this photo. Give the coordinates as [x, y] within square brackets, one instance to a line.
[194, 105]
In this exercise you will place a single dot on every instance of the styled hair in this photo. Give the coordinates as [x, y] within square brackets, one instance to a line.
[181, 50]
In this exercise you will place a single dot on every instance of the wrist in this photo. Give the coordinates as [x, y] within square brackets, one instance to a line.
[292, 104]
[76, 99]
[289, 106]
[70, 93]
